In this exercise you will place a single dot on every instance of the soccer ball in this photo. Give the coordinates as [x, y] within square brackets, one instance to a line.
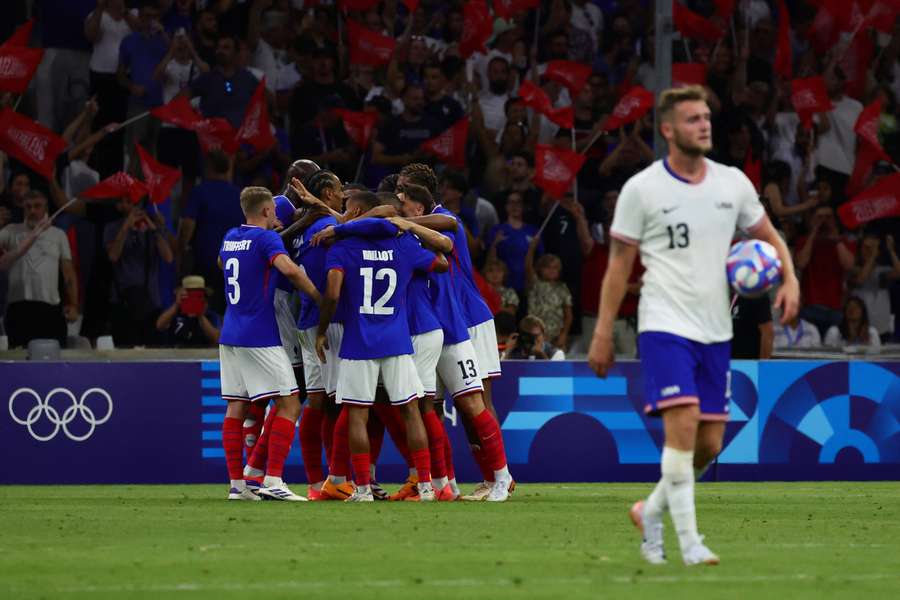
[753, 268]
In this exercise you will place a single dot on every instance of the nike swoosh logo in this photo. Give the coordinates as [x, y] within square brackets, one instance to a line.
[668, 210]
[468, 382]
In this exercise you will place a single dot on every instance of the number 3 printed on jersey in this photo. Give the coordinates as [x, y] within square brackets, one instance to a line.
[232, 270]
[379, 308]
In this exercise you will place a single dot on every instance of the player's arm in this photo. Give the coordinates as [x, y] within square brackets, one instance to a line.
[297, 277]
[431, 239]
[327, 309]
[436, 222]
[440, 264]
[788, 296]
[612, 292]
[367, 227]
[309, 217]
[308, 199]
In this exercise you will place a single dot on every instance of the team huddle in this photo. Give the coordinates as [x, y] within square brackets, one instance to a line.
[388, 309]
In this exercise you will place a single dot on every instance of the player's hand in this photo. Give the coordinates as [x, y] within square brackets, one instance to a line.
[600, 355]
[325, 236]
[788, 300]
[401, 223]
[321, 347]
[70, 311]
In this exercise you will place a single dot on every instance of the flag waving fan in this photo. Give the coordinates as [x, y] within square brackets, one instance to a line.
[632, 106]
[29, 142]
[536, 98]
[17, 66]
[358, 125]
[573, 75]
[555, 169]
[159, 178]
[369, 47]
[255, 128]
[117, 185]
[877, 202]
[450, 146]
[810, 96]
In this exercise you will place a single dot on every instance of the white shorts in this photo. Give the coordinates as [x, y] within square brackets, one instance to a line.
[287, 327]
[458, 368]
[255, 373]
[360, 380]
[426, 352]
[484, 339]
[321, 377]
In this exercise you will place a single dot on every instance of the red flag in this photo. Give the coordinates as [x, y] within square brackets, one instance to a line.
[117, 185]
[573, 75]
[538, 99]
[866, 128]
[630, 107]
[216, 134]
[361, 5]
[753, 169]
[824, 31]
[691, 25]
[450, 146]
[358, 125]
[725, 9]
[867, 156]
[879, 201]
[855, 64]
[810, 96]
[178, 112]
[159, 178]
[506, 9]
[17, 67]
[29, 142]
[555, 169]
[368, 47]
[688, 74]
[784, 64]
[21, 35]
[255, 128]
[882, 15]
[477, 28]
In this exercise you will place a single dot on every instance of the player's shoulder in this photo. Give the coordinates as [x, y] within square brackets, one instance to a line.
[235, 233]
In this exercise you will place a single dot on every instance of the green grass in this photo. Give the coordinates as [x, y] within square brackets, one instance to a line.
[776, 540]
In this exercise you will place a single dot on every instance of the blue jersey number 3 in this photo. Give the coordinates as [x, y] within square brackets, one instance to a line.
[232, 270]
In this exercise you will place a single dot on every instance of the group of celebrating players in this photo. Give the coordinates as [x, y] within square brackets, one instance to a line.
[388, 306]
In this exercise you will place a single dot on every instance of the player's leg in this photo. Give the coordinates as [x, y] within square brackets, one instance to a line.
[375, 427]
[357, 418]
[356, 393]
[310, 430]
[253, 424]
[234, 392]
[255, 469]
[709, 444]
[448, 448]
[426, 353]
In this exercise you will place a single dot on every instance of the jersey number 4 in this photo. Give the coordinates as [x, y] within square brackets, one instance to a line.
[679, 236]
[232, 270]
[379, 308]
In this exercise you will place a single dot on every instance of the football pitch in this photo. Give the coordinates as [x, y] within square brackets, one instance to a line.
[776, 540]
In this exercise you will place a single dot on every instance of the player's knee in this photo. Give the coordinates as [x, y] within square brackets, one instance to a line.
[470, 405]
[707, 449]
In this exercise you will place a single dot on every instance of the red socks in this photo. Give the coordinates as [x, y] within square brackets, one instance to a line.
[448, 457]
[311, 443]
[328, 433]
[281, 436]
[376, 436]
[340, 449]
[256, 414]
[422, 462]
[392, 420]
[436, 435]
[486, 472]
[362, 469]
[260, 453]
[491, 440]
[234, 447]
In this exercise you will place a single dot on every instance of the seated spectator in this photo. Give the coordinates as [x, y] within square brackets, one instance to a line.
[189, 323]
[135, 244]
[854, 328]
[871, 281]
[495, 272]
[797, 334]
[751, 320]
[549, 299]
[530, 342]
[35, 309]
[508, 241]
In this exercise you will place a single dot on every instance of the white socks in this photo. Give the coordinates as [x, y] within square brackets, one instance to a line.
[440, 482]
[337, 479]
[239, 484]
[270, 481]
[453, 486]
[251, 472]
[678, 484]
[502, 474]
[424, 486]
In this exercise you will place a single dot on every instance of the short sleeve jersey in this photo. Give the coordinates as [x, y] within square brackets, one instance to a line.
[247, 255]
[373, 299]
[684, 231]
[475, 310]
[312, 259]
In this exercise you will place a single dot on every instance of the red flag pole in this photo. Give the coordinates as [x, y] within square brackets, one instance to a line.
[134, 119]
[547, 218]
[63, 207]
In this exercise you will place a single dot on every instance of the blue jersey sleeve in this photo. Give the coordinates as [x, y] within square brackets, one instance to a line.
[336, 258]
[271, 245]
[371, 228]
[417, 256]
[284, 210]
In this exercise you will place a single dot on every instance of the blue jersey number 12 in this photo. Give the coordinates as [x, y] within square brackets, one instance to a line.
[379, 308]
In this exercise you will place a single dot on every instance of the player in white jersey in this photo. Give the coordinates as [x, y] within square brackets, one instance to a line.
[681, 214]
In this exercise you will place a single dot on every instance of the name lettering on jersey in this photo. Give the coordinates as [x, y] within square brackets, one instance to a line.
[670, 390]
[236, 246]
[378, 255]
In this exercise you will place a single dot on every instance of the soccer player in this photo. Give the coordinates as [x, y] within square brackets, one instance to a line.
[681, 213]
[370, 278]
[253, 364]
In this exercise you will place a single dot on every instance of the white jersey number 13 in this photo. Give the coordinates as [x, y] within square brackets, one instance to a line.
[379, 308]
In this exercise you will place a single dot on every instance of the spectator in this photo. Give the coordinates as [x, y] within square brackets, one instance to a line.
[505, 324]
[495, 273]
[530, 342]
[225, 90]
[520, 170]
[509, 241]
[267, 42]
[870, 281]
[825, 258]
[836, 152]
[189, 323]
[12, 198]
[797, 334]
[323, 83]
[548, 298]
[588, 17]
[492, 99]
[35, 309]
[213, 208]
[398, 144]
[206, 36]
[854, 328]
[325, 141]
[439, 106]
[178, 16]
[754, 333]
[135, 244]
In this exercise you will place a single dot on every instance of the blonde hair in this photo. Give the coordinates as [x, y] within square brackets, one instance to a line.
[545, 261]
[253, 198]
[672, 97]
[532, 321]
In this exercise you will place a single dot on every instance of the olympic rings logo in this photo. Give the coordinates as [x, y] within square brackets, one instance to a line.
[42, 407]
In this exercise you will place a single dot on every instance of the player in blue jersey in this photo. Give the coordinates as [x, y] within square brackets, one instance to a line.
[370, 277]
[253, 363]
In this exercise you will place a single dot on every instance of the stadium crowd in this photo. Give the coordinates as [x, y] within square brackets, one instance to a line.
[144, 271]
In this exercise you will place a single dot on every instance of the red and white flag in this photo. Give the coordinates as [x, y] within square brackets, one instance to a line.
[869, 150]
[255, 128]
[358, 125]
[784, 58]
[688, 74]
[880, 200]
[17, 66]
[179, 112]
[21, 35]
[866, 127]
[810, 96]
[117, 185]
[856, 63]
[824, 30]
[159, 178]
[216, 134]
[536, 98]
[450, 146]
[573, 75]
[477, 28]
[632, 106]
[369, 47]
[506, 9]
[555, 169]
[29, 142]
[693, 26]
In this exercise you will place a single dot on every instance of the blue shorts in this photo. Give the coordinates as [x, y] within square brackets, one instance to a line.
[679, 371]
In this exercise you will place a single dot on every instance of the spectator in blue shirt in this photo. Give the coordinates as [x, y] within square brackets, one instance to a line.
[225, 91]
[509, 240]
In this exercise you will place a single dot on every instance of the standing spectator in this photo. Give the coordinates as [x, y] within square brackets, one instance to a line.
[206, 36]
[12, 198]
[213, 208]
[225, 90]
[438, 105]
[189, 323]
[266, 38]
[825, 258]
[854, 328]
[398, 143]
[754, 333]
[323, 83]
[520, 170]
[509, 241]
[870, 281]
[105, 28]
[588, 17]
[548, 297]
[836, 151]
[35, 309]
[135, 244]
[178, 16]
[325, 141]
[493, 97]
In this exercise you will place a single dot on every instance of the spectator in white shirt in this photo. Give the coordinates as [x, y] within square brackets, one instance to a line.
[797, 334]
[493, 98]
[870, 280]
[854, 329]
[836, 152]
